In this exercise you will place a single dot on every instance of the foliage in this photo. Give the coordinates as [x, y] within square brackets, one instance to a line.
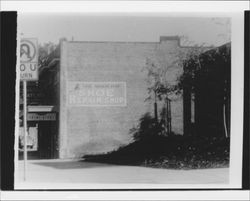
[147, 128]
[193, 153]
[156, 79]
[194, 61]
[157, 71]
[46, 53]
[47, 73]
[189, 60]
[175, 152]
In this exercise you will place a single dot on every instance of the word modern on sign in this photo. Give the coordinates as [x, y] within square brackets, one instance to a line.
[41, 117]
[96, 93]
[29, 59]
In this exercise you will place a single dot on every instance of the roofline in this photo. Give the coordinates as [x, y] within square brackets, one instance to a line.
[112, 42]
[162, 38]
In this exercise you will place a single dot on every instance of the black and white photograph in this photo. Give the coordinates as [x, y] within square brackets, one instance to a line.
[109, 100]
[124, 101]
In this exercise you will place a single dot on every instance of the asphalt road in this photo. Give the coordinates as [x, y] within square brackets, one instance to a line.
[57, 174]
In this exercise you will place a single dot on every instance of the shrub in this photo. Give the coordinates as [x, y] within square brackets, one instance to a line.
[147, 129]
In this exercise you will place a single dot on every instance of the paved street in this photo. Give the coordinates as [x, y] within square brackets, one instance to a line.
[56, 174]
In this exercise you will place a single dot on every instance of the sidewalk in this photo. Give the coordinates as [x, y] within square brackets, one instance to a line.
[68, 174]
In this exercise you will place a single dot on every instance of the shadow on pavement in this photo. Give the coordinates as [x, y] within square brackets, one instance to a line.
[70, 164]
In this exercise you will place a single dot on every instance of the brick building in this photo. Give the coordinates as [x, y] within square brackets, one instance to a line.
[98, 90]
[88, 129]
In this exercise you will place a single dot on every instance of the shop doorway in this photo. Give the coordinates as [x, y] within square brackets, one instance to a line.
[47, 140]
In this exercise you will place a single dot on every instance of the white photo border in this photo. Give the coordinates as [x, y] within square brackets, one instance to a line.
[233, 8]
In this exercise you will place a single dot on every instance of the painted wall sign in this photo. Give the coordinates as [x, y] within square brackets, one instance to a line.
[29, 59]
[96, 93]
[41, 117]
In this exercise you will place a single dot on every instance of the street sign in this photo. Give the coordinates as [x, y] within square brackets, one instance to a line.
[29, 59]
[28, 72]
[41, 117]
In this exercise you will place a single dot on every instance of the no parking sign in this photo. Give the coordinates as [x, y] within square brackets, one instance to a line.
[29, 59]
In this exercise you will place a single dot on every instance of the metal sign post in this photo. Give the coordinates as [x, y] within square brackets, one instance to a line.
[25, 126]
[28, 72]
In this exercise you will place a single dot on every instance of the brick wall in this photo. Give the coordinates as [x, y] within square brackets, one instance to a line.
[90, 130]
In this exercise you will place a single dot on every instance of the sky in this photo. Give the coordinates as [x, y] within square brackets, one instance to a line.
[79, 27]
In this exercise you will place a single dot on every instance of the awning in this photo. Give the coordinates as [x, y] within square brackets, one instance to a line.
[42, 108]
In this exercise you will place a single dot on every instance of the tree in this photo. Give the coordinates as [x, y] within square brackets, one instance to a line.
[46, 53]
[146, 129]
[213, 65]
[49, 70]
[168, 76]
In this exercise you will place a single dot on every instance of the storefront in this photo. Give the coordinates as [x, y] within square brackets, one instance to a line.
[42, 138]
